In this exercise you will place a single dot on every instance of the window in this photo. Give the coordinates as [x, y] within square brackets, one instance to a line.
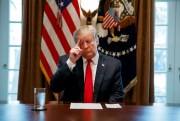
[15, 38]
[166, 51]
[160, 50]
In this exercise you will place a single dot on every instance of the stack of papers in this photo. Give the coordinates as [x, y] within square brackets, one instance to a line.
[92, 106]
[113, 106]
[85, 106]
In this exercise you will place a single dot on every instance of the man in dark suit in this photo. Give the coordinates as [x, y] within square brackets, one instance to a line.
[71, 75]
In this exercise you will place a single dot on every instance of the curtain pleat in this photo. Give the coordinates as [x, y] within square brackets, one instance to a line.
[30, 75]
[143, 92]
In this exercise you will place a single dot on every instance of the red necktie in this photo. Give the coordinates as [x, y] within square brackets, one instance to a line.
[88, 87]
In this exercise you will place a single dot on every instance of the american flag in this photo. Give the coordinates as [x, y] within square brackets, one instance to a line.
[57, 40]
[108, 21]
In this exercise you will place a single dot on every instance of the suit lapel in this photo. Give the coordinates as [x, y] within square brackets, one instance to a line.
[99, 75]
[80, 74]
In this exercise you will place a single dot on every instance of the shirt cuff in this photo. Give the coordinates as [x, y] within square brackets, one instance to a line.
[70, 64]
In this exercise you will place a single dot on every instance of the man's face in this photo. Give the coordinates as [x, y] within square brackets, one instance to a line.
[88, 44]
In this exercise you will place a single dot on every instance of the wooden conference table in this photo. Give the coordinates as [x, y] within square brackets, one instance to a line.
[62, 112]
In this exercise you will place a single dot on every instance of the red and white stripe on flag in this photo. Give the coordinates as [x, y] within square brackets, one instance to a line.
[108, 21]
[57, 41]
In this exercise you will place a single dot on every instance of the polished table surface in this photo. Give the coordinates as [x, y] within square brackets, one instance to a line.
[62, 112]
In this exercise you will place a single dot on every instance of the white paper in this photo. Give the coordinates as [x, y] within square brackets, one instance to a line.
[85, 106]
[113, 106]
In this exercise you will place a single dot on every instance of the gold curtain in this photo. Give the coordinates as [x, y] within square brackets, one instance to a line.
[143, 92]
[30, 73]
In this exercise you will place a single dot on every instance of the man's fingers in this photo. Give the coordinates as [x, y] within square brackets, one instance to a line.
[78, 42]
[77, 47]
[76, 51]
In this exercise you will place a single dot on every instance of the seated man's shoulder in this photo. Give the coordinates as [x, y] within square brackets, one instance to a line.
[110, 58]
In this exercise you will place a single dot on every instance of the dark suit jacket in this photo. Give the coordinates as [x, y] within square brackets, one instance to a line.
[108, 81]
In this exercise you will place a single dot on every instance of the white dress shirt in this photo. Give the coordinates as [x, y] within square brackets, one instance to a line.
[93, 66]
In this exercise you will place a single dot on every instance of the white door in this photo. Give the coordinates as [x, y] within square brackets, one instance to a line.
[167, 51]
[4, 30]
[173, 78]
[177, 56]
[10, 46]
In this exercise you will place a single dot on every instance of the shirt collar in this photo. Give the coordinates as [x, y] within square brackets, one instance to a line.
[94, 59]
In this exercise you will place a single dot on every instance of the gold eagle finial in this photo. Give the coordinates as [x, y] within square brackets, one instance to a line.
[89, 15]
